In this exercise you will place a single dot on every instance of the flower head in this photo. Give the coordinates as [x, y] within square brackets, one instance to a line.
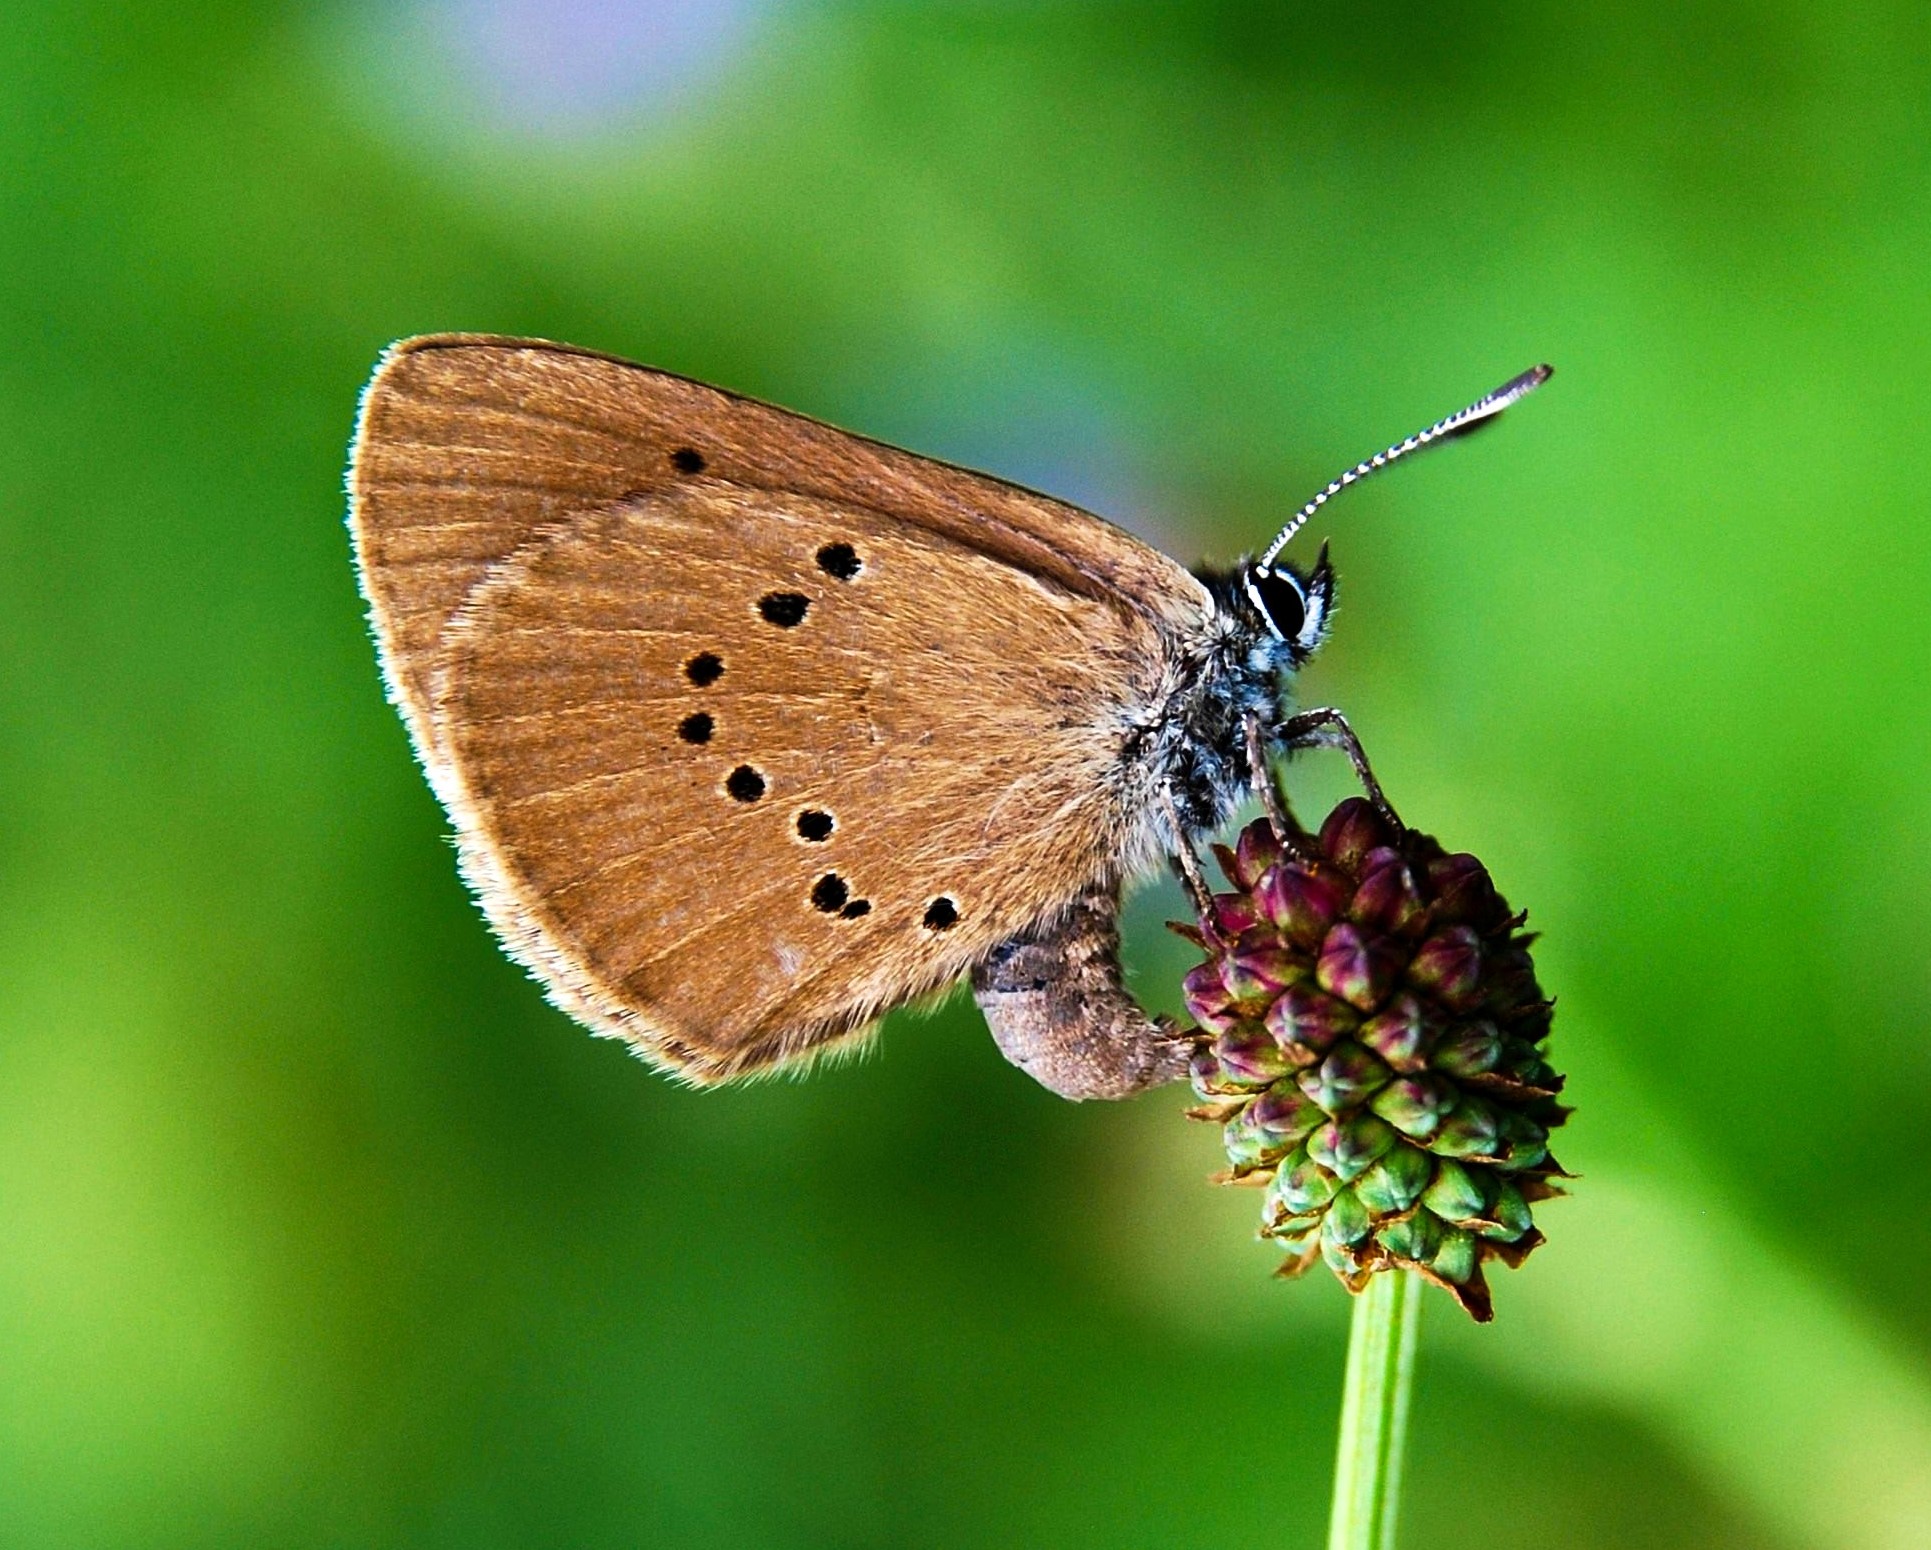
[1370, 1038]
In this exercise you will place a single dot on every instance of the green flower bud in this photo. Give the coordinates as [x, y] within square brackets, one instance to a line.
[1395, 1180]
[1472, 1130]
[1509, 1218]
[1457, 1194]
[1416, 1238]
[1457, 1257]
[1347, 1221]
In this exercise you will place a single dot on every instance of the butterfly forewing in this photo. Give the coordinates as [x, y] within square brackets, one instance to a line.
[750, 728]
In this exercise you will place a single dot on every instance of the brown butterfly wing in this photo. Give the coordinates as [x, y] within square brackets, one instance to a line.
[551, 571]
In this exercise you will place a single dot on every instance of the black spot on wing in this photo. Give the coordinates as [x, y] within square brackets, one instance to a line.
[839, 561]
[784, 609]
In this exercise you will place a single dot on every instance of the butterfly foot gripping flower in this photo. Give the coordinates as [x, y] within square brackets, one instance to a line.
[1370, 1039]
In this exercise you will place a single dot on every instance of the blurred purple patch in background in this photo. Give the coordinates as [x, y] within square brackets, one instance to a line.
[569, 68]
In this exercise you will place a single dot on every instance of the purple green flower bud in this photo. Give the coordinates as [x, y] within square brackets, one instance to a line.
[1259, 968]
[1357, 966]
[1346, 1147]
[1285, 1114]
[1254, 853]
[1463, 891]
[1248, 1058]
[1348, 1075]
[1301, 903]
[1416, 1105]
[1311, 1021]
[1250, 1053]
[1235, 913]
[1249, 1144]
[1472, 1130]
[1211, 1080]
[1471, 1050]
[1388, 899]
[1347, 1221]
[1449, 967]
[1401, 1034]
[1303, 1185]
[1208, 1003]
[1352, 830]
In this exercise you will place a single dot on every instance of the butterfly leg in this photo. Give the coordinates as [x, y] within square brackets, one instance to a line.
[1058, 1007]
[1184, 860]
[1287, 828]
[1326, 727]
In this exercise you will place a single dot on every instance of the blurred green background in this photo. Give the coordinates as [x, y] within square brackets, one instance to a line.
[317, 1226]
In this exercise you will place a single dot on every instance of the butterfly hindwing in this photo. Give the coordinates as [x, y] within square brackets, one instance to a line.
[859, 800]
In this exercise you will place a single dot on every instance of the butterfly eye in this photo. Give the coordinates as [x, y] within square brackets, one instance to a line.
[1280, 598]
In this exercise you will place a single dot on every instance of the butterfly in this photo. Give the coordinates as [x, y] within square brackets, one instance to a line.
[751, 729]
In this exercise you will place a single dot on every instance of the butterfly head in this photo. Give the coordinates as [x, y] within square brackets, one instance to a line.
[1293, 607]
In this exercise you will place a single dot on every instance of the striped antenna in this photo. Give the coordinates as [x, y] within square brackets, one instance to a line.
[1483, 409]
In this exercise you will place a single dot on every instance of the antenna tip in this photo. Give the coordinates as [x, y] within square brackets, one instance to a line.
[1531, 379]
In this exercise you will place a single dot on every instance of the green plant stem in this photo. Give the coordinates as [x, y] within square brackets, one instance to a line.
[1374, 1413]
